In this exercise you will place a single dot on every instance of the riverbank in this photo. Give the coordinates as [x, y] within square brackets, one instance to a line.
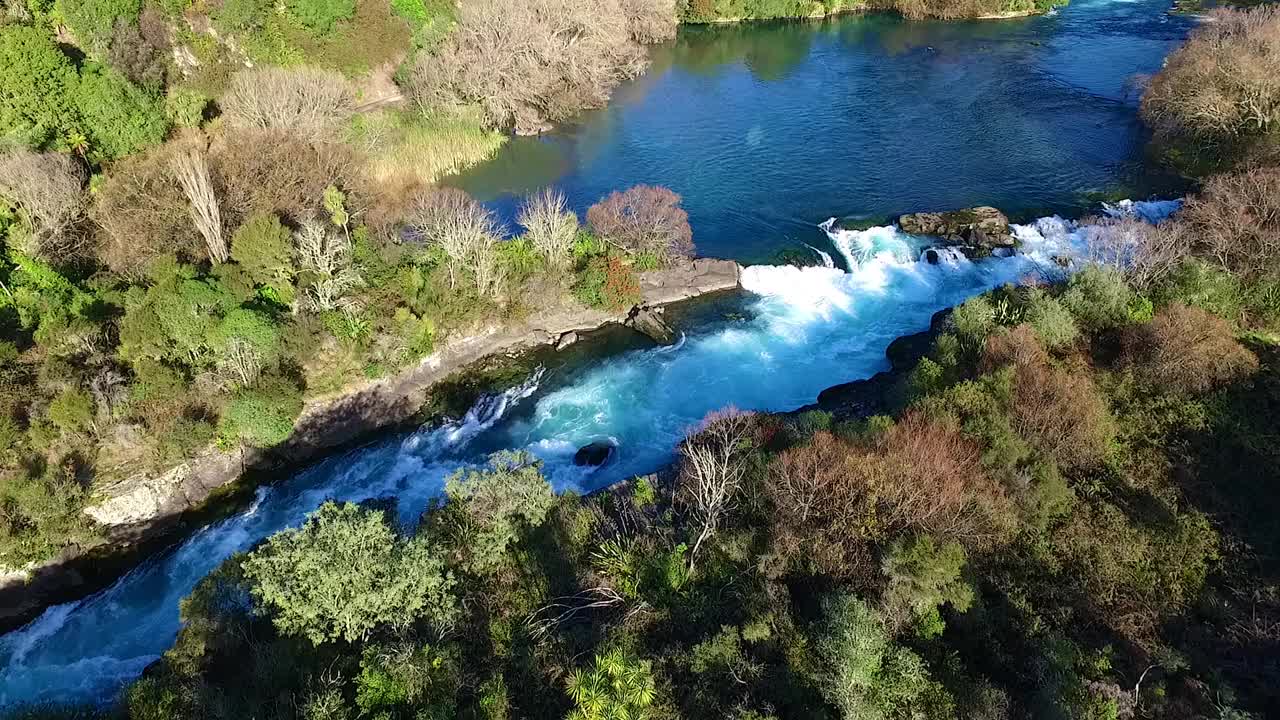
[821, 10]
[146, 511]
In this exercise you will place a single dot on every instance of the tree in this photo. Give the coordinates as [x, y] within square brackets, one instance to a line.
[263, 246]
[865, 674]
[550, 225]
[644, 219]
[1218, 95]
[310, 102]
[245, 342]
[345, 573]
[48, 190]
[1234, 221]
[499, 502]
[712, 466]
[618, 686]
[567, 56]
[191, 168]
[328, 272]
[1060, 412]
[118, 117]
[453, 221]
[37, 88]
[144, 214]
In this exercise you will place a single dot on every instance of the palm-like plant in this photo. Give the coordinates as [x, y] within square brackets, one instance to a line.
[619, 686]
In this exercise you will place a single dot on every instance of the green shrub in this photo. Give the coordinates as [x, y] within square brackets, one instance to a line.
[1100, 299]
[185, 107]
[239, 16]
[37, 87]
[923, 576]
[617, 685]
[262, 415]
[607, 282]
[973, 320]
[1050, 320]
[865, 674]
[264, 248]
[94, 21]
[344, 573]
[499, 503]
[319, 16]
[119, 117]
[72, 411]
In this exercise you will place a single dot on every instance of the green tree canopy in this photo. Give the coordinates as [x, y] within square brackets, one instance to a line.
[264, 248]
[37, 84]
[119, 117]
[346, 572]
[499, 501]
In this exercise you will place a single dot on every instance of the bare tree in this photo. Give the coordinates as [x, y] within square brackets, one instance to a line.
[644, 219]
[191, 167]
[1235, 221]
[48, 190]
[712, 466]
[307, 101]
[1143, 252]
[453, 221]
[550, 225]
[529, 63]
[324, 256]
[1224, 83]
[241, 361]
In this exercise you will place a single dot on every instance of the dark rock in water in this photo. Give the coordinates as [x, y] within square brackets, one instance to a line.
[594, 454]
[649, 321]
[566, 340]
[931, 256]
[978, 232]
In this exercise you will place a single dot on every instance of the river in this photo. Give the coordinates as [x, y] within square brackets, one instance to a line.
[766, 131]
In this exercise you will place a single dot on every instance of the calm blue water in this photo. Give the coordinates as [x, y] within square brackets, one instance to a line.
[766, 131]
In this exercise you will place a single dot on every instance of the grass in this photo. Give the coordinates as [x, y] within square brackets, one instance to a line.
[406, 147]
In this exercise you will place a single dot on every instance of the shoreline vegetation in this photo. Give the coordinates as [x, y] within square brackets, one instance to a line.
[270, 170]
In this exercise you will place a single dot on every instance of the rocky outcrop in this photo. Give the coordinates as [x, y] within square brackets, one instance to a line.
[648, 321]
[144, 510]
[977, 232]
[594, 454]
[881, 393]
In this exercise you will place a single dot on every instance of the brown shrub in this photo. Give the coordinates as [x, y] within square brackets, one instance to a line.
[1235, 221]
[1222, 88]
[943, 9]
[1185, 349]
[931, 480]
[266, 171]
[1059, 411]
[141, 50]
[48, 189]
[308, 102]
[831, 498]
[820, 509]
[529, 63]
[644, 219]
[143, 213]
